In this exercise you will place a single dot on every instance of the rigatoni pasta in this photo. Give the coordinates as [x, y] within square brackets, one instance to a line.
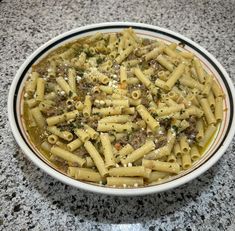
[121, 110]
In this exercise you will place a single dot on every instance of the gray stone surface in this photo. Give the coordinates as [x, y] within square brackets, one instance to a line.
[31, 200]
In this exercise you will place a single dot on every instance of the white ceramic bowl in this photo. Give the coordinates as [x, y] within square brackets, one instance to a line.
[214, 151]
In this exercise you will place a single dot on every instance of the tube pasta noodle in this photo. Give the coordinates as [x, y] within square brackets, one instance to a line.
[66, 155]
[111, 110]
[136, 94]
[142, 78]
[126, 150]
[91, 132]
[32, 103]
[30, 85]
[96, 158]
[130, 171]
[192, 83]
[199, 70]
[160, 83]
[61, 118]
[40, 89]
[171, 159]
[46, 146]
[106, 89]
[162, 166]
[31, 120]
[64, 85]
[209, 132]
[211, 100]
[168, 110]
[37, 115]
[186, 160]
[200, 129]
[123, 75]
[89, 162]
[124, 54]
[165, 63]
[208, 83]
[82, 134]
[164, 150]
[72, 171]
[175, 75]
[87, 106]
[163, 75]
[105, 127]
[102, 78]
[132, 81]
[115, 119]
[184, 146]
[207, 111]
[154, 53]
[75, 144]
[72, 79]
[65, 135]
[52, 68]
[152, 123]
[219, 109]
[125, 181]
[177, 150]
[138, 153]
[108, 152]
[107, 111]
[85, 174]
[114, 102]
[216, 89]
[157, 176]
[186, 55]
[45, 105]
[195, 155]
[61, 144]
[170, 52]
[134, 102]
[128, 110]
[52, 139]
[79, 105]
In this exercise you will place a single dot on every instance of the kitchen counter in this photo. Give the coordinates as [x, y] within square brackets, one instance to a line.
[32, 200]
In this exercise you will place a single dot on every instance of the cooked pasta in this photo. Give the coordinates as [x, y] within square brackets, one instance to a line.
[121, 110]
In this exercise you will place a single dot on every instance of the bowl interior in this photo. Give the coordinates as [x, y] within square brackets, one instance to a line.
[222, 134]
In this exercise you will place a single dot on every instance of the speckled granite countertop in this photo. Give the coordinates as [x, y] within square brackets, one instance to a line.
[31, 200]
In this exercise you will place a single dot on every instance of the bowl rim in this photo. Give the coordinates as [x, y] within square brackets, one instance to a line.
[116, 191]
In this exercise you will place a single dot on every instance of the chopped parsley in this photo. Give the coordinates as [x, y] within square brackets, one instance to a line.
[70, 93]
[175, 128]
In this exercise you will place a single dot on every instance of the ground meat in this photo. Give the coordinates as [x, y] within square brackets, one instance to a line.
[191, 131]
[146, 42]
[144, 97]
[41, 68]
[137, 138]
[60, 99]
[116, 67]
[50, 112]
[131, 57]
[80, 152]
[66, 127]
[93, 121]
[84, 85]
[53, 111]
[166, 123]
[99, 96]
[62, 70]
[145, 101]
[162, 141]
[154, 64]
